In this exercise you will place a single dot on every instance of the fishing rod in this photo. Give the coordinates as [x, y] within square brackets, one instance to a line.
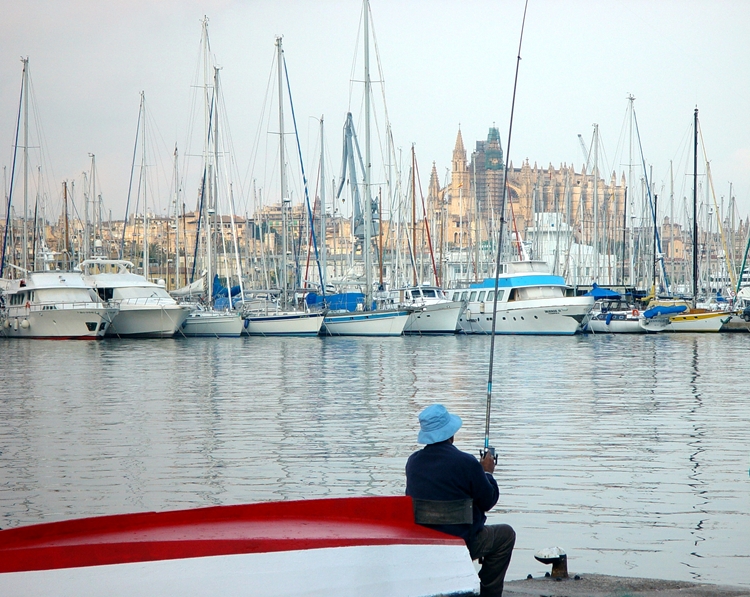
[487, 447]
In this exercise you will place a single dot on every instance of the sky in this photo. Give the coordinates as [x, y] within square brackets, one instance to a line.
[445, 64]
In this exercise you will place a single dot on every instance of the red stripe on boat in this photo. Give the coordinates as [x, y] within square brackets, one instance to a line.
[215, 531]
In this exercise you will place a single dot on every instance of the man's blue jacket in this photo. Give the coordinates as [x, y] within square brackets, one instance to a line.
[442, 472]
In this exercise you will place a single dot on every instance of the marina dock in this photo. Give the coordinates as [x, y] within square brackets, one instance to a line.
[600, 585]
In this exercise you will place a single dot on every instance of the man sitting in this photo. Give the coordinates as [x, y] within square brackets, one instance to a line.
[443, 479]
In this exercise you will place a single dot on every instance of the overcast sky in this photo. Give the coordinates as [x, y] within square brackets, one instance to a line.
[445, 63]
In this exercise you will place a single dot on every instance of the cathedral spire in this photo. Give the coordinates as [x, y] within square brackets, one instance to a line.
[459, 153]
[459, 148]
[434, 189]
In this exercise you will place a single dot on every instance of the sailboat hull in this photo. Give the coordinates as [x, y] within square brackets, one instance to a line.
[212, 324]
[705, 322]
[284, 324]
[370, 323]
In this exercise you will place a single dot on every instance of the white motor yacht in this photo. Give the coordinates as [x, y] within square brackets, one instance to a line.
[53, 304]
[530, 301]
[433, 312]
[146, 309]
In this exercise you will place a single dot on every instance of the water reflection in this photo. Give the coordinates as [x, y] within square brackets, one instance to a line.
[631, 453]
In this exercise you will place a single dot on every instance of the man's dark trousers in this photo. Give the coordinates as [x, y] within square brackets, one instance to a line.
[494, 544]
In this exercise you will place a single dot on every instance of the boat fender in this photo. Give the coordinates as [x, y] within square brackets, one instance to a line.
[609, 318]
[635, 313]
[25, 324]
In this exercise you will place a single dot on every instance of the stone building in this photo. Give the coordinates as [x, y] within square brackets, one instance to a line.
[471, 201]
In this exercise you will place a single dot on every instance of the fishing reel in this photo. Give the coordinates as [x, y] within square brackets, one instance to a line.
[491, 450]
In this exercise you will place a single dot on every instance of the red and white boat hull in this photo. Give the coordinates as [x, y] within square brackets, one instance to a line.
[351, 546]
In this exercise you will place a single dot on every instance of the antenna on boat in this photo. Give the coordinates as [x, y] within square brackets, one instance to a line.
[487, 447]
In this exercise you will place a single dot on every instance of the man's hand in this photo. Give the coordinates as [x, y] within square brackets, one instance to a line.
[488, 462]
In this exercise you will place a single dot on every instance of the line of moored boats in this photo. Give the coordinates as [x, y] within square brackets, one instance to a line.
[104, 297]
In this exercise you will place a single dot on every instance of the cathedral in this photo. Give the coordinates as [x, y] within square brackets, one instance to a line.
[591, 207]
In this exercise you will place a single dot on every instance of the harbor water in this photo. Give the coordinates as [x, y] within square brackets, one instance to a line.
[631, 453]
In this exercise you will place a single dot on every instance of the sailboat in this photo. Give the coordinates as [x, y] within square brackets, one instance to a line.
[677, 315]
[204, 320]
[367, 321]
[432, 311]
[275, 317]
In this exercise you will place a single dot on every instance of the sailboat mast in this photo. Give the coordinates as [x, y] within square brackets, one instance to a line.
[86, 235]
[217, 233]
[368, 163]
[631, 236]
[65, 235]
[477, 231]
[25, 162]
[95, 204]
[596, 202]
[323, 226]
[695, 207]
[146, 257]
[208, 114]
[176, 223]
[656, 254]
[282, 165]
[671, 222]
[414, 212]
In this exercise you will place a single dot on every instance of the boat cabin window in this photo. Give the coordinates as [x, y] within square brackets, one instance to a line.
[105, 293]
[472, 296]
[135, 292]
[67, 295]
[456, 296]
[614, 306]
[429, 292]
[537, 292]
[480, 298]
[491, 296]
[464, 295]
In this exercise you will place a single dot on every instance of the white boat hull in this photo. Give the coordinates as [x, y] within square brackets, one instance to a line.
[58, 321]
[560, 316]
[148, 321]
[370, 323]
[619, 323]
[363, 546]
[435, 318]
[212, 324]
[364, 571]
[292, 323]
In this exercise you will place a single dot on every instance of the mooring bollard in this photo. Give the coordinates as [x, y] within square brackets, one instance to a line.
[557, 557]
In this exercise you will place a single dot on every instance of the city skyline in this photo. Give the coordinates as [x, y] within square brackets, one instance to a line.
[444, 65]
